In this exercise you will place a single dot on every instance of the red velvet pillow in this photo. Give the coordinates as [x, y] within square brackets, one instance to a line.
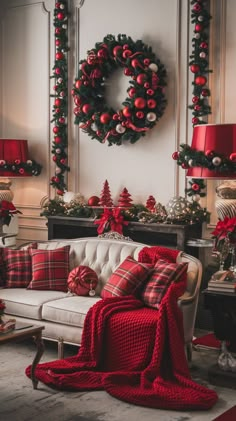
[17, 268]
[50, 269]
[126, 279]
[82, 281]
[163, 275]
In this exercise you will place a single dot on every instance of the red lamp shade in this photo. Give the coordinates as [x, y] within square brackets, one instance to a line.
[13, 151]
[220, 138]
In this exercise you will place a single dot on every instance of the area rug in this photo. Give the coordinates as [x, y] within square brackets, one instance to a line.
[229, 415]
[208, 341]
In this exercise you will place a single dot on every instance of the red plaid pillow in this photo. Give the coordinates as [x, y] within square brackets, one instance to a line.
[159, 281]
[50, 269]
[126, 279]
[17, 269]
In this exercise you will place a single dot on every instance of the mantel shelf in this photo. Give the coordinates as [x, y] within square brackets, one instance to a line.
[169, 235]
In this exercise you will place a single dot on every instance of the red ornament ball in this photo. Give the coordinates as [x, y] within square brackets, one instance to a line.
[150, 92]
[139, 114]
[135, 63]
[77, 110]
[204, 45]
[55, 129]
[195, 99]
[126, 112]
[140, 103]
[205, 92]
[60, 192]
[184, 166]
[57, 140]
[128, 72]
[151, 103]
[86, 108]
[93, 201]
[105, 118]
[60, 16]
[77, 100]
[57, 31]
[57, 102]
[175, 155]
[209, 153]
[233, 157]
[198, 27]
[141, 78]
[195, 187]
[195, 120]
[132, 92]
[59, 56]
[78, 84]
[194, 68]
[200, 80]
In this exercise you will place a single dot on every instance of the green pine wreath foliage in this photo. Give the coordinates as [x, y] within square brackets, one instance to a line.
[144, 104]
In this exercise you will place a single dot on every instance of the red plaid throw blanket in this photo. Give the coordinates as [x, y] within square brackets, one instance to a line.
[134, 353]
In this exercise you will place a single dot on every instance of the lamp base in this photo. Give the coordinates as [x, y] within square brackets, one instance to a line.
[5, 192]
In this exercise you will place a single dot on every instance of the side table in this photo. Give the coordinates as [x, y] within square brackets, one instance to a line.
[222, 306]
[22, 332]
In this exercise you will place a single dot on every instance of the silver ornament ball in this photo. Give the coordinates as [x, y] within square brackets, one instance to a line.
[151, 117]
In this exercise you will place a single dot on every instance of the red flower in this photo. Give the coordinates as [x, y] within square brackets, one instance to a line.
[225, 229]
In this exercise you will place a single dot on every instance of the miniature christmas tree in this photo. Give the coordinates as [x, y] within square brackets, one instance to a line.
[105, 198]
[125, 199]
[150, 204]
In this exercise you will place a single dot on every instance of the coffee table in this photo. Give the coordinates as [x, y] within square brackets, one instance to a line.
[24, 331]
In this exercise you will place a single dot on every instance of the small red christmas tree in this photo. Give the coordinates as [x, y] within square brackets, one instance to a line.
[150, 204]
[125, 199]
[105, 198]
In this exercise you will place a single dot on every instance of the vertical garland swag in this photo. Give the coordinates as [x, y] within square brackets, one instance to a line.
[60, 106]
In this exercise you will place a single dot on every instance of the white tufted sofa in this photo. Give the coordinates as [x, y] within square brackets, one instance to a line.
[63, 314]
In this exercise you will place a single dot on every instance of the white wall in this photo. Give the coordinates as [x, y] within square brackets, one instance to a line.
[145, 168]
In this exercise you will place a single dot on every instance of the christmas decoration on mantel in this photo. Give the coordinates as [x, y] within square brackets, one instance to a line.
[60, 74]
[145, 103]
[198, 63]
[179, 211]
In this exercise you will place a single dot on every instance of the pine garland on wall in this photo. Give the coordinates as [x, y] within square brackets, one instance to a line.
[198, 63]
[60, 107]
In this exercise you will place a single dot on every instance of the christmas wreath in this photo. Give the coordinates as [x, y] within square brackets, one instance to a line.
[145, 103]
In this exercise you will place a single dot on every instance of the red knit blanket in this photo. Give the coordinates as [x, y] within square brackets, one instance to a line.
[134, 353]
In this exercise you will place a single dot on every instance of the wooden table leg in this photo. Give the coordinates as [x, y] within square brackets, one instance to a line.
[40, 350]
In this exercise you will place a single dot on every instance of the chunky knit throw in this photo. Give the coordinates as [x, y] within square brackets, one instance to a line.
[133, 352]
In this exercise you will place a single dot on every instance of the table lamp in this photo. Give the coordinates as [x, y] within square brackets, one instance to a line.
[14, 162]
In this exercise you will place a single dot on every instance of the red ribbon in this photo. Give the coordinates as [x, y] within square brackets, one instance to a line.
[130, 125]
[111, 218]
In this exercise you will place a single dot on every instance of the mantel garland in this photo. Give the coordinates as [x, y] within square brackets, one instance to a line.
[60, 74]
[198, 63]
[145, 103]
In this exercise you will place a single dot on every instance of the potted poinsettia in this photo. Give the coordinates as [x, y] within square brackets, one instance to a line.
[7, 211]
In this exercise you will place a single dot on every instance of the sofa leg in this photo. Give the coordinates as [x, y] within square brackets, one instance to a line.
[60, 348]
[188, 348]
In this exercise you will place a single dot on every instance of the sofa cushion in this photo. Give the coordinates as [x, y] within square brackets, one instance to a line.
[17, 267]
[71, 310]
[26, 303]
[126, 279]
[159, 281]
[50, 269]
[82, 280]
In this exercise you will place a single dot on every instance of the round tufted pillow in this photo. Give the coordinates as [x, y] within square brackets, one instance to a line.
[82, 280]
